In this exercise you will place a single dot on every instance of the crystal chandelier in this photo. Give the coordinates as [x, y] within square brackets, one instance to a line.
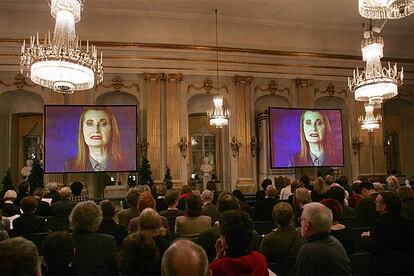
[376, 83]
[370, 122]
[58, 63]
[219, 116]
[385, 9]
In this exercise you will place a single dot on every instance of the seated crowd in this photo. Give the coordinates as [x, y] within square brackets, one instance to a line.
[316, 227]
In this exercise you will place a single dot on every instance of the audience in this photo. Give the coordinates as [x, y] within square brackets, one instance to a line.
[23, 190]
[192, 223]
[209, 209]
[233, 254]
[392, 183]
[108, 225]
[322, 254]
[293, 187]
[407, 196]
[53, 192]
[58, 253]
[172, 212]
[95, 253]
[302, 197]
[4, 227]
[263, 210]
[306, 183]
[161, 204]
[19, 256]
[43, 208]
[211, 186]
[243, 205]
[9, 208]
[281, 246]
[124, 216]
[29, 222]
[185, 192]
[77, 196]
[341, 232]
[320, 189]
[260, 194]
[196, 262]
[391, 231]
[64, 206]
[348, 214]
[150, 224]
[139, 256]
[286, 191]
[366, 213]
[355, 197]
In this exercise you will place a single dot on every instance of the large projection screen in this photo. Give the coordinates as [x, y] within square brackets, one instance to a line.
[305, 138]
[90, 138]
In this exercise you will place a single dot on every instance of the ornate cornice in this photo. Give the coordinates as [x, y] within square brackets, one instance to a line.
[118, 84]
[207, 87]
[19, 82]
[303, 82]
[331, 90]
[243, 80]
[173, 77]
[153, 76]
[272, 88]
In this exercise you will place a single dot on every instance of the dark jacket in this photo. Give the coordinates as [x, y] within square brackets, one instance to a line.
[43, 208]
[62, 208]
[264, 208]
[29, 224]
[161, 204]
[95, 254]
[322, 255]
[210, 210]
[389, 233]
[407, 208]
[171, 216]
[366, 212]
[110, 227]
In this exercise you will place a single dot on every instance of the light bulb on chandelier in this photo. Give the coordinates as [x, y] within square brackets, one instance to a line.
[370, 121]
[58, 62]
[375, 83]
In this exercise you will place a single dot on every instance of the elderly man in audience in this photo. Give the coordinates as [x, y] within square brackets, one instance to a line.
[281, 246]
[193, 222]
[53, 191]
[322, 254]
[263, 210]
[19, 256]
[43, 208]
[391, 231]
[124, 216]
[9, 208]
[95, 253]
[58, 253]
[172, 212]
[302, 197]
[233, 254]
[139, 256]
[29, 222]
[64, 206]
[209, 209]
[108, 225]
[196, 262]
[366, 213]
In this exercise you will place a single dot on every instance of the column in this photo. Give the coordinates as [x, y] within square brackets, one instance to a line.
[246, 180]
[173, 125]
[153, 110]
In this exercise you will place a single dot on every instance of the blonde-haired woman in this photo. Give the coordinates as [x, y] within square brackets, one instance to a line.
[98, 142]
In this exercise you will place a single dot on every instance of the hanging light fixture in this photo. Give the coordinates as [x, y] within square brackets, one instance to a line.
[58, 63]
[385, 9]
[376, 83]
[219, 116]
[370, 122]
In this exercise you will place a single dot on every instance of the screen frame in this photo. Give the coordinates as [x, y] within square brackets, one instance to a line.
[86, 106]
[270, 138]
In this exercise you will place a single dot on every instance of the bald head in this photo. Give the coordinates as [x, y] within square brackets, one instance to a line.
[195, 256]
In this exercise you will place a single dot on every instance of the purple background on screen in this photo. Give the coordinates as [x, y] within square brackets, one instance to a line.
[61, 134]
[285, 134]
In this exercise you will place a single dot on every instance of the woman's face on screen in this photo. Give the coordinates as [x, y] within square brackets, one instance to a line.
[96, 128]
[313, 126]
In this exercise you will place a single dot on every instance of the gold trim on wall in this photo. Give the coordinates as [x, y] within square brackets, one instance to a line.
[207, 87]
[331, 90]
[272, 88]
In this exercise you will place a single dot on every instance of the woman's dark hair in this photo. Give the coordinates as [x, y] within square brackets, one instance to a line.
[76, 188]
[266, 182]
[337, 193]
[108, 209]
[237, 228]
[211, 186]
[239, 195]
[58, 250]
[334, 206]
[392, 202]
[194, 205]
[139, 255]
[305, 180]
[282, 214]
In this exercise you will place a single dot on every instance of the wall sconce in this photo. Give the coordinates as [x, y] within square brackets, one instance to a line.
[183, 145]
[253, 146]
[356, 145]
[235, 145]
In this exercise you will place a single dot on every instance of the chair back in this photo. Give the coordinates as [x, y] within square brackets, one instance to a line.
[57, 223]
[37, 239]
[263, 227]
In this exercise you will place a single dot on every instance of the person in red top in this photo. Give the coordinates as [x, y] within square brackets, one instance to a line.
[233, 247]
